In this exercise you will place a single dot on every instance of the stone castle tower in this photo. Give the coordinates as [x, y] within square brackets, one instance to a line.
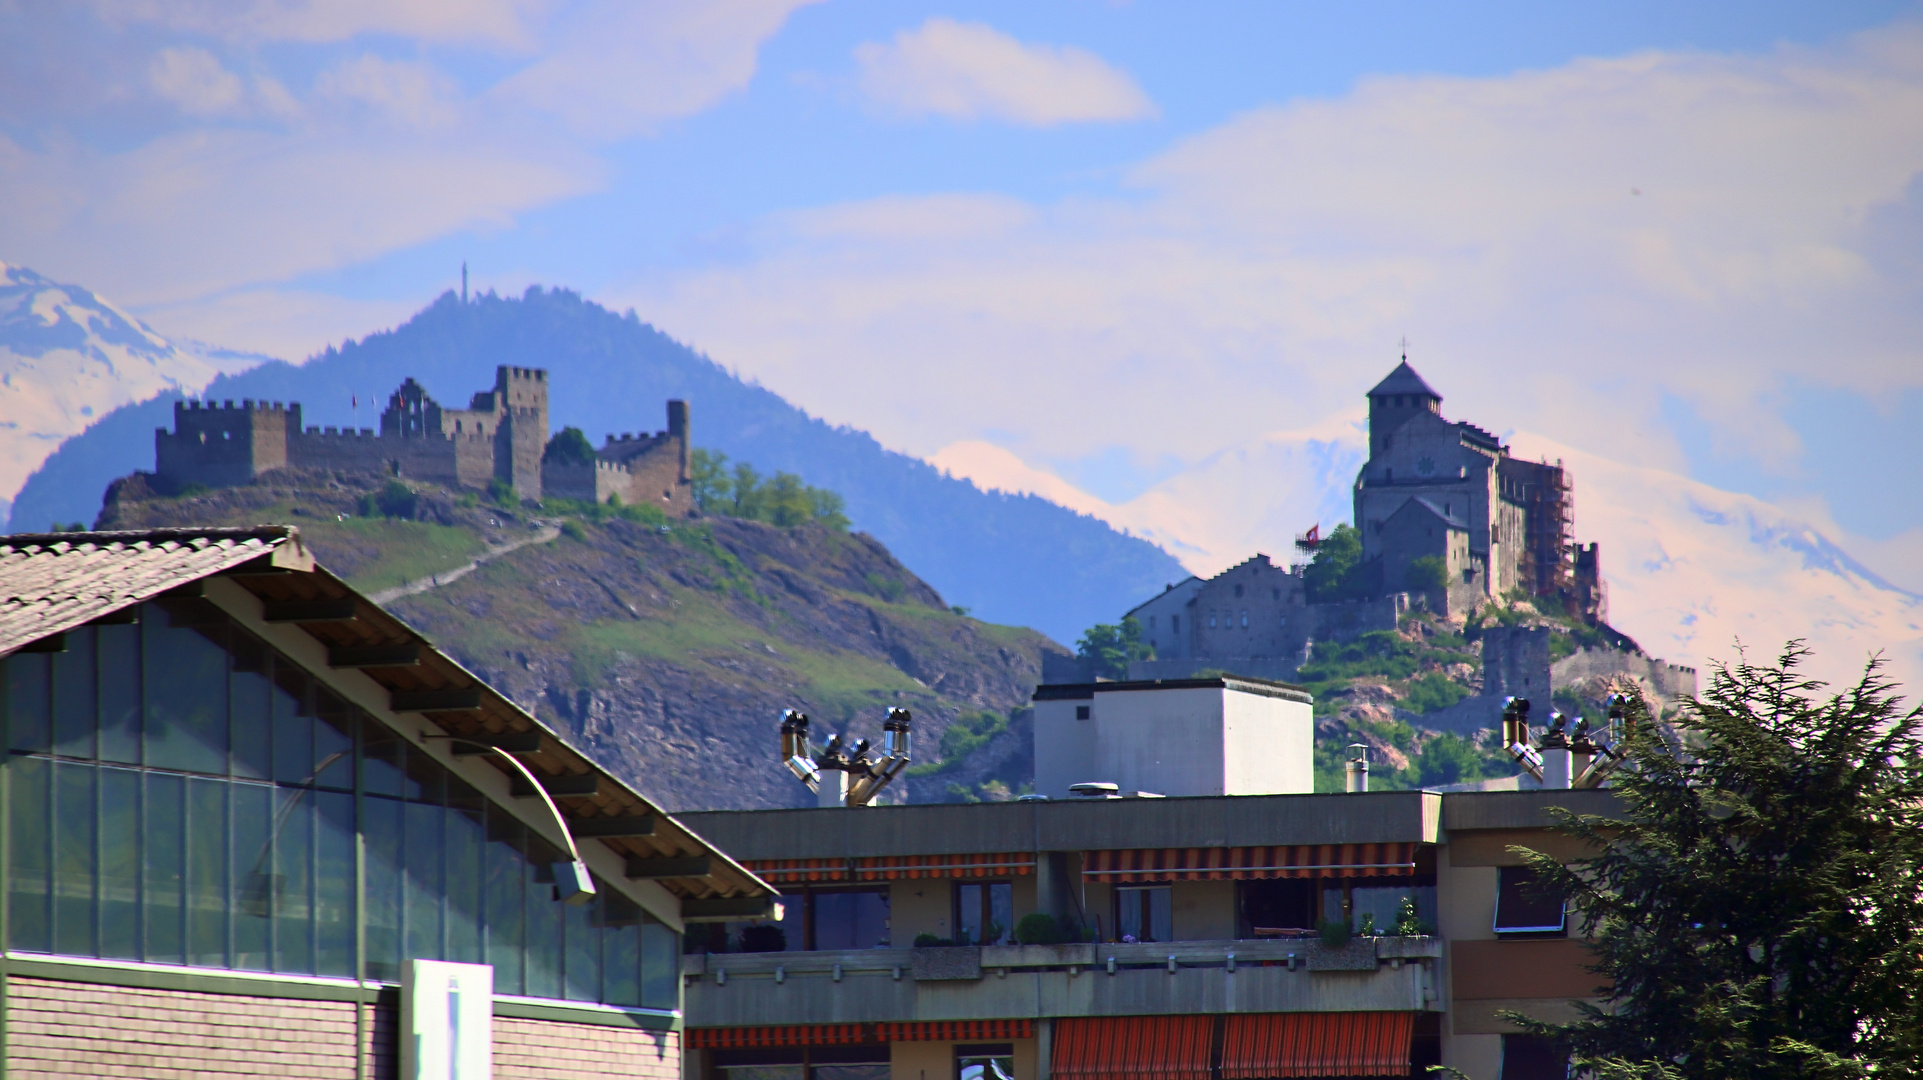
[502, 435]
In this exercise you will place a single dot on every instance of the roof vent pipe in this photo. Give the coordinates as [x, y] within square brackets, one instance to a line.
[1358, 770]
[1556, 756]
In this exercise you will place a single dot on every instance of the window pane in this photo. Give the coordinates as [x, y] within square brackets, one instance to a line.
[506, 901]
[1525, 905]
[660, 966]
[294, 881]
[165, 858]
[968, 913]
[466, 846]
[381, 757]
[1001, 913]
[543, 922]
[186, 689]
[253, 876]
[120, 864]
[207, 872]
[583, 949]
[30, 918]
[293, 725]
[1144, 914]
[425, 778]
[425, 885]
[73, 859]
[74, 696]
[29, 702]
[334, 724]
[250, 701]
[334, 883]
[851, 920]
[118, 648]
[381, 837]
[620, 950]
[1385, 904]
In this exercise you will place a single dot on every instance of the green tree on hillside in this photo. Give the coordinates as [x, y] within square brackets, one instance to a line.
[1112, 646]
[1336, 572]
[1758, 906]
[570, 447]
[742, 492]
[1427, 574]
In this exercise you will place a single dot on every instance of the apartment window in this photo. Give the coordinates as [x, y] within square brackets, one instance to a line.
[848, 918]
[801, 1063]
[984, 912]
[985, 1061]
[1276, 907]
[1081, 712]
[1531, 1057]
[1525, 905]
[1144, 913]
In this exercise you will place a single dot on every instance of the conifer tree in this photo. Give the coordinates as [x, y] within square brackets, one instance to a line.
[1757, 909]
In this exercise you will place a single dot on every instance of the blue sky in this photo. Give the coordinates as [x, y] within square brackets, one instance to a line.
[1112, 239]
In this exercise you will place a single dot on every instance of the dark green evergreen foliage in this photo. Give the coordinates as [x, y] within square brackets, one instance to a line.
[741, 492]
[1757, 905]
[1427, 574]
[1336, 572]
[1038, 928]
[1014, 559]
[1112, 646]
[1452, 759]
[393, 500]
[570, 447]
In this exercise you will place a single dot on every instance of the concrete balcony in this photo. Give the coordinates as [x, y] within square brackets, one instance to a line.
[1038, 981]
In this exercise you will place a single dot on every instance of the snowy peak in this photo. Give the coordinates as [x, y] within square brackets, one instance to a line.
[68, 356]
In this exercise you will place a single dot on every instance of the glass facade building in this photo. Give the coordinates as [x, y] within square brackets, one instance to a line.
[178, 792]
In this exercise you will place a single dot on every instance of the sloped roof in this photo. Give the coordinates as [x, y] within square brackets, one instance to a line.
[1433, 507]
[1404, 380]
[52, 583]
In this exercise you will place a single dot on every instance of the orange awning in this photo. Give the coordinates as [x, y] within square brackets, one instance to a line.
[962, 1031]
[1264, 1045]
[1132, 1048]
[1243, 863]
[791, 1035]
[965, 1031]
[891, 867]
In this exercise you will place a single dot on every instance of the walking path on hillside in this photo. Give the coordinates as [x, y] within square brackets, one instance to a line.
[449, 577]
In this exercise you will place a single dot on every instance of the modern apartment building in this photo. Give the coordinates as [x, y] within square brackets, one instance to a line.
[1201, 911]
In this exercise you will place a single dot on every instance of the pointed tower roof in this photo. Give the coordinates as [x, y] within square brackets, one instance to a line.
[1404, 380]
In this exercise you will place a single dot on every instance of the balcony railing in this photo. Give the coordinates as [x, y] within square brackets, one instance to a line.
[1036, 981]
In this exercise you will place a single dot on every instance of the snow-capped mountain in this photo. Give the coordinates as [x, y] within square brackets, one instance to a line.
[67, 356]
[1691, 569]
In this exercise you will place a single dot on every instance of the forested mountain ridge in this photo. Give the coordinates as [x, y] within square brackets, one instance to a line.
[1018, 560]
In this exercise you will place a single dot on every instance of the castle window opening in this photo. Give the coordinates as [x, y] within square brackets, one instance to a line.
[1245, 618]
[1211, 620]
[1238, 591]
[1175, 623]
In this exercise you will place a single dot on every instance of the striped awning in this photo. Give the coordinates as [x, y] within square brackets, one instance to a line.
[964, 1031]
[892, 867]
[1132, 1048]
[1263, 1045]
[738, 1038]
[791, 1035]
[1243, 863]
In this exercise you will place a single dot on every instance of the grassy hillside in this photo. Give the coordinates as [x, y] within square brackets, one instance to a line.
[666, 648]
[1012, 559]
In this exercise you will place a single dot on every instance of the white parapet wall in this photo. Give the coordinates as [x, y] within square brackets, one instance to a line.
[1187, 737]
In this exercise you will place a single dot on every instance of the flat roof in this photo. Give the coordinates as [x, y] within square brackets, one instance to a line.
[1245, 684]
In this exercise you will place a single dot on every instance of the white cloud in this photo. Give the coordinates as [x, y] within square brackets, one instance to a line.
[616, 68]
[196, 81]
[413, 93]
[1256, 277]
[499, 22]
[971, 71]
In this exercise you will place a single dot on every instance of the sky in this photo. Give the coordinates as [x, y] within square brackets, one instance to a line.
[1106, 242]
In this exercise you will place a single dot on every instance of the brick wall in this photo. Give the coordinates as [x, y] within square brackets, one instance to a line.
[80, 1029]
[57, 1028]
[527, 1049]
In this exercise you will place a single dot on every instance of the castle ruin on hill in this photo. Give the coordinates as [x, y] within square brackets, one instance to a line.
[501, 436]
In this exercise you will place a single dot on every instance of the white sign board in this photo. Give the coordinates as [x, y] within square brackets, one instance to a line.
[447, 1021]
